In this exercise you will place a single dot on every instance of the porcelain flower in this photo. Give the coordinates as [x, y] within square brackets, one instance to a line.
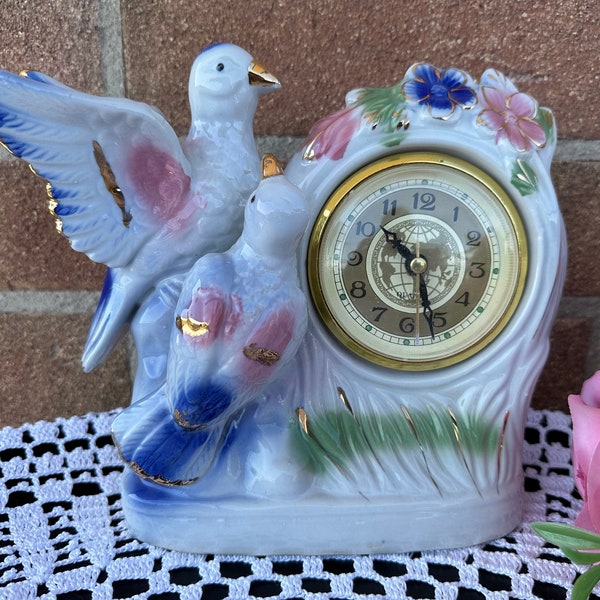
[511, 114]
[330, 136]
[442, 91]
[585, 413]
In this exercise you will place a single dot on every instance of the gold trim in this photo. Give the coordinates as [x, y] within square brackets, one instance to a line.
[501, 447]
[456, 431]
[264, 356]
[413, 428]
[189, 326]
[337, 198]
[144, 474]
[181, 420]
[110, 182]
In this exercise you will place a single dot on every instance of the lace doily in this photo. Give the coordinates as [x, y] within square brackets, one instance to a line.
[63, 537]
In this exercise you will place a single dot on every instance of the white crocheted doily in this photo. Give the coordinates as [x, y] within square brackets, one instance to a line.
[63, 537]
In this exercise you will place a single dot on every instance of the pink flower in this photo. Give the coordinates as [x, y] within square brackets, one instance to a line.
[330, 136]
[585, 413]
[511, 114]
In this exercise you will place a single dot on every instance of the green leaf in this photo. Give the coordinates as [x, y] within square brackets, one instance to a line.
[586, 582]
[524, 178]
[568, 537]
[546, 120]
[384, 107]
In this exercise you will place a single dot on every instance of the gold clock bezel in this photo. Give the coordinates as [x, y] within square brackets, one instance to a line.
[336, 199]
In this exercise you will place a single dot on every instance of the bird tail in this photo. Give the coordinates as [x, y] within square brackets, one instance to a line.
[158, 449]
[109, 324]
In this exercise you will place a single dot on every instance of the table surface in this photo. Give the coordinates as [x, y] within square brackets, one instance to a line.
[63, 535]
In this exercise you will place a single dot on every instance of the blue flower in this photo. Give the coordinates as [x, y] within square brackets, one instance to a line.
[440, 90]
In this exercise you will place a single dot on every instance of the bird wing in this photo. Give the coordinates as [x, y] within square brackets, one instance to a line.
[115, 168]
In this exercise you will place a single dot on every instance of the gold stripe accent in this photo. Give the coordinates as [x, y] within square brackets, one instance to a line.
[182, 421]
[460, 447]
[414, 431]
[501, 447]
[264, 356]
[110, 182]
[189, 326]
[144, 474]
[346, 403]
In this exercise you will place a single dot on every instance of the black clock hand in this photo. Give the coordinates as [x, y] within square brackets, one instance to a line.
[427, 312]
[392, 238]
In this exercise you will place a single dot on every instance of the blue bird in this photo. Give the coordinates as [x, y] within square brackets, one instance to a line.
[125, 191]
[239, 321]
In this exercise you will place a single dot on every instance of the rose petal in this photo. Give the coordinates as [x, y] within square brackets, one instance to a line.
[522, 105]
[593, 490]
[586, 435]
[590, 391]
[584, 519]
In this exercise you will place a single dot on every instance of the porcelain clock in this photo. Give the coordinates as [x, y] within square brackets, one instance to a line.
[417, 261]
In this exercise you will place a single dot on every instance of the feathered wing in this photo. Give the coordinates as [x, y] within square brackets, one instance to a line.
[116, 170]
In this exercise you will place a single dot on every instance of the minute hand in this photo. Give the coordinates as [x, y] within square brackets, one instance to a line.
[427, 312]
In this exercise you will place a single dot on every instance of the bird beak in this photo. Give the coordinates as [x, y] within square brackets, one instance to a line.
[258, 75]
[270, 166]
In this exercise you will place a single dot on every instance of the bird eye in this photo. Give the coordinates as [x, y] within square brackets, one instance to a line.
[220, 67]
[252, 199]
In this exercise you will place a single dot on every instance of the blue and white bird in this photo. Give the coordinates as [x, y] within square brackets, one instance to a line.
[125, 190]
[240, 319]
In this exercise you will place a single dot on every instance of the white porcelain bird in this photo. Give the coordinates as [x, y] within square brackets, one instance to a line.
[240, 319]
[122, 187]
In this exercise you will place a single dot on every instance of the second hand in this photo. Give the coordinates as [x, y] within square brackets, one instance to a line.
[417, 299]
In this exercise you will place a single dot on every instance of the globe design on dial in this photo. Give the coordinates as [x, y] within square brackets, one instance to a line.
[431, 240]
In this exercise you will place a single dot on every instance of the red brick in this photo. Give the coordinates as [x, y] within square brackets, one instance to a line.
[33, 255]
[41, 370]
[60, 39]
[320, 49]
[565, 369]
[577, 186]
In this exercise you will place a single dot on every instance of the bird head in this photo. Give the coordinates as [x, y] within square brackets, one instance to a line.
[276, 215]
[226, 82]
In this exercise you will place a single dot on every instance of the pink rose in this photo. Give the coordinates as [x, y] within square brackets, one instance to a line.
[585, 413]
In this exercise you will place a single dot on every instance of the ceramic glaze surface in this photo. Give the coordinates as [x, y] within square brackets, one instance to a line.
[251, 423]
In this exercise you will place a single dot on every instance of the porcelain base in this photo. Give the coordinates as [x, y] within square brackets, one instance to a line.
[316, 525]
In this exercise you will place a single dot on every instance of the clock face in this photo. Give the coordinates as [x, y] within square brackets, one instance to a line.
[417, 261]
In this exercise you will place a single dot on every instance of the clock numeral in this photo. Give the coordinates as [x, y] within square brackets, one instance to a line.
[358, 289]
[354, 258]
[407, 325]
[366, 229]
[473, 238]
[439, 320]
[477, 271]
[381, 310]
[464, 299]
[455, 212]
[389, 208]
[425, 201]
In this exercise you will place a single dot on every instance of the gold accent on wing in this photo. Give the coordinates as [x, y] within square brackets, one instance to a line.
[456, 431]
[264, 356]
[110, 182]
[271, 166]
[52, 204]
[144, 474]
[413, 428]
[181, 420]
[192, 327]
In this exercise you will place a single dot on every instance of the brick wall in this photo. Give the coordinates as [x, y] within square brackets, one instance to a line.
[319, 50]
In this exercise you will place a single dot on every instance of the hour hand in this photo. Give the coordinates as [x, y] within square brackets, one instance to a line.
[392, 238]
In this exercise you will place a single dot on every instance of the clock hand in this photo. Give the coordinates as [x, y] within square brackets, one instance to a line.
[392, 238]
[427, 312]
[417, 292]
